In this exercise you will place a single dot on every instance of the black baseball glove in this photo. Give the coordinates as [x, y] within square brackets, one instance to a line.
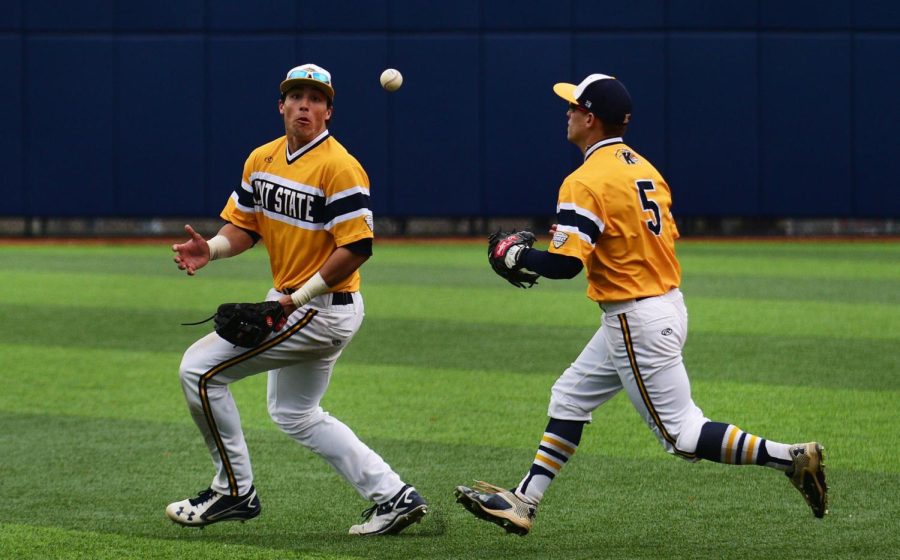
[504, 252]
[249, 324]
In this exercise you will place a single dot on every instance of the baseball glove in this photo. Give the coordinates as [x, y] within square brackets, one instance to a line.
[249, 324]
[504, 251]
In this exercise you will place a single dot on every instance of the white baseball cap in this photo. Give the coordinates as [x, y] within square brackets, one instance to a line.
[309, 74]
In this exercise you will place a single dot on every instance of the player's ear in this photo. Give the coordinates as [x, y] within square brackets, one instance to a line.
[281, 105]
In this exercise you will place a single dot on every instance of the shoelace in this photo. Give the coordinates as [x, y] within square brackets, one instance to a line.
[202, 497]
[380, 508]
[482, 486]
[489, 488]
[369, 512]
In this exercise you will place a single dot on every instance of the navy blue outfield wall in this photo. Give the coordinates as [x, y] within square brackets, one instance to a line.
[760, 109]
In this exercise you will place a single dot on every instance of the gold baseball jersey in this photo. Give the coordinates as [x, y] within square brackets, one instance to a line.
[614, 214]
[304, 205]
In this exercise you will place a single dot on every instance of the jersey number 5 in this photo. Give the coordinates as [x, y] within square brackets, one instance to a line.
[654, 224]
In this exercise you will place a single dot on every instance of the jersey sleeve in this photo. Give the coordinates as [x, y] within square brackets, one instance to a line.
[579, 222]
[348, 216]
[239, 209]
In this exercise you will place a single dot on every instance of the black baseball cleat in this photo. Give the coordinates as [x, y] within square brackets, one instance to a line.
[211, 507]
[398, 513]
[497, 505]
[807, 474]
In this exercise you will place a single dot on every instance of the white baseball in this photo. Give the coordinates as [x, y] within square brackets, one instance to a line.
[391, 79]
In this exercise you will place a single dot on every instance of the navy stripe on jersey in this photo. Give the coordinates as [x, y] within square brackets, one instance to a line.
[244, 198]
[583, 224]
[346, 205]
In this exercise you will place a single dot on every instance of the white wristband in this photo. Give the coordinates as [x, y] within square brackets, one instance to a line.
[219, 247]
[512, 256]
[314, 286]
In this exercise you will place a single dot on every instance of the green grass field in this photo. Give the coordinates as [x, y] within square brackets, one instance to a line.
[448, 380]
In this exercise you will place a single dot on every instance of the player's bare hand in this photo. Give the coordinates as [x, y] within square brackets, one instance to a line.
[553, 229]
[193, 254]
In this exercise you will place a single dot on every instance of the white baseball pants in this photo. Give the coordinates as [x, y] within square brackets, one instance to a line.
[638, 348]
[299, 360]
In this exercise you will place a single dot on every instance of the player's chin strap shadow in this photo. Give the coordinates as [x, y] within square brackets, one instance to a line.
[210, 318]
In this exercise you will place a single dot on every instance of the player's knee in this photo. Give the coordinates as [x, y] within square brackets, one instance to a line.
[564, 408]
[295, 423]
[690, 435]
[189, 376]
[681, 438]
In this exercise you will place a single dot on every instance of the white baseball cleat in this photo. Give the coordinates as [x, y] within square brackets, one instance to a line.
[398, 513]
[211, 507]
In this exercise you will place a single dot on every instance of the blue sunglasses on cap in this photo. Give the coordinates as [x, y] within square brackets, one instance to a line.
[317, 76]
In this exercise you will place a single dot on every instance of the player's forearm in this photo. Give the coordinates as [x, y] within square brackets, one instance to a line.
[342, 263]
[230, 241]
[551, 265]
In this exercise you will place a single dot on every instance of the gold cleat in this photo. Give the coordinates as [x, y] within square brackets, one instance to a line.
[807, 474]
[497, 505]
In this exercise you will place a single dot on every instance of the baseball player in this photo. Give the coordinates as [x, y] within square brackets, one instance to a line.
[307, 198]
[614, 220]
